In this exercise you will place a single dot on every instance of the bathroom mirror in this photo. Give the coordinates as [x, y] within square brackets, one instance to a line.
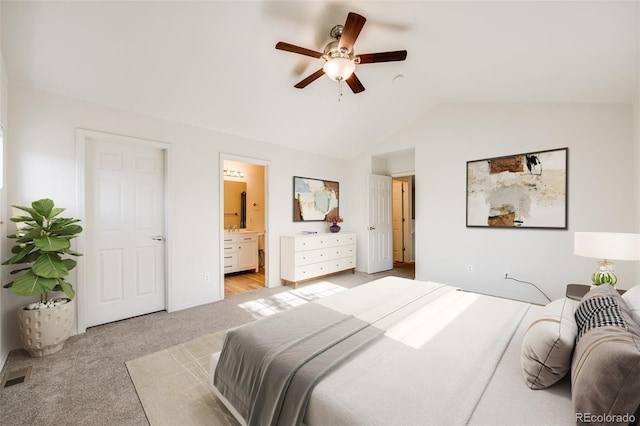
[235, 204]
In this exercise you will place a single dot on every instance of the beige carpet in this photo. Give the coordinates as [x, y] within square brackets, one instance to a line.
[173, 384]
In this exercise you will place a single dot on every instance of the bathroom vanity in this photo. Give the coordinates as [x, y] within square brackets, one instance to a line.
[240, 251]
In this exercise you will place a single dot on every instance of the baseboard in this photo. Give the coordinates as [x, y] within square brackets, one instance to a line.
[192, 305]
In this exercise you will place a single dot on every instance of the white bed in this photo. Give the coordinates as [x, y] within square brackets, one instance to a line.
[446, 357]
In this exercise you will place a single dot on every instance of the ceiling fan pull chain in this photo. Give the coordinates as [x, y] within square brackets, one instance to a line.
[339, 90]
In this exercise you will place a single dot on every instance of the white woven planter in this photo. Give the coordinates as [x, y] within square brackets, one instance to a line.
[44, 331]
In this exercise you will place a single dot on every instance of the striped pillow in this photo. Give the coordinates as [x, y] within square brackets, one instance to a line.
[599, 312]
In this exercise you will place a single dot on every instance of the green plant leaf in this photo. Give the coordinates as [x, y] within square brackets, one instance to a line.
[23, 208]
[55, 212]
[30, 235]
[15, 271]
[34, 214]
[31, 257]
[43, 207]
[50, 265]
[18, 258]
[67, 288]
[64, 220]
[69, 263]
[18, 219]
[8, 285]
[48, 243]
[66, 230]
[30, 284]
[71, 252]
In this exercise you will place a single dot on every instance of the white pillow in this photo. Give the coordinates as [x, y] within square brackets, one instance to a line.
[548, 344]
[632, 299]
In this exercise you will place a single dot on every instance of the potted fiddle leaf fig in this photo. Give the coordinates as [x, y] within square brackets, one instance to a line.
[42, 247]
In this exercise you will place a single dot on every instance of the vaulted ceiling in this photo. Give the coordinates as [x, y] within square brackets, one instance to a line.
[213, 64]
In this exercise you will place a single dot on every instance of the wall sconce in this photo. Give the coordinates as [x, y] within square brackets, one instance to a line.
[233, 173]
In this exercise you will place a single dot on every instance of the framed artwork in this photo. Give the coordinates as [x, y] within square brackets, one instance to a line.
[314, 199]
[518, 191]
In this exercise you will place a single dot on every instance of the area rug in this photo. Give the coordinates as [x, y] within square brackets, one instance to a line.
[173, 384]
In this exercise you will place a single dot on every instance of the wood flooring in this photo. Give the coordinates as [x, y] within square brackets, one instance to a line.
[241, 282]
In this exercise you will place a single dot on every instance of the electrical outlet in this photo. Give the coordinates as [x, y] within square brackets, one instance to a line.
[506, 275]
[469, 268]
[207, 278]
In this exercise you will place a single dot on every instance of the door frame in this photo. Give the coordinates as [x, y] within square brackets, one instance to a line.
[82, 135]
[257, 162]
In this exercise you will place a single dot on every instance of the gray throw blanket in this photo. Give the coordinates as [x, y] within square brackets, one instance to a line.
[268, 369]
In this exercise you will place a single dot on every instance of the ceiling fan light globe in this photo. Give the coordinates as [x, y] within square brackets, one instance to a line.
[339, 68]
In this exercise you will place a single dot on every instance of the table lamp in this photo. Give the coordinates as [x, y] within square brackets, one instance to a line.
[606, 246]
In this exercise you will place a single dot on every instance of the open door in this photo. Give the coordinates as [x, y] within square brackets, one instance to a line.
[380, 229]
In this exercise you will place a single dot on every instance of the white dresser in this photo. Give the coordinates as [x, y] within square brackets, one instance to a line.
[303, 257]
[240, 251]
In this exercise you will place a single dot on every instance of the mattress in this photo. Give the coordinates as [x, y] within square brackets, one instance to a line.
[447, 357]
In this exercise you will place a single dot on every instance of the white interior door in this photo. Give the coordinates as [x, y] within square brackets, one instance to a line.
[380, 230]
[125, 253]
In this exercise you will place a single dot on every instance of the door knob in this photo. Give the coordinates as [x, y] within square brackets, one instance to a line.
[158, 238]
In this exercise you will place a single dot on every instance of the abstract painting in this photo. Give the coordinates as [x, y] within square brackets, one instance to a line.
[518, 191]
[314, 199]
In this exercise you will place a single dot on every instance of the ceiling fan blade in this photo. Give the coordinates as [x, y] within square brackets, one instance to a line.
[351, 30]
[369, 58]
[354, 83]
[304, 83]
[297, 49]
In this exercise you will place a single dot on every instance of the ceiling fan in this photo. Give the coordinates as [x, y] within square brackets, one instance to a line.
[340, 59]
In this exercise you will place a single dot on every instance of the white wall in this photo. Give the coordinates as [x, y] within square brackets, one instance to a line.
[603, 187]
[602, 192]
[43, 164]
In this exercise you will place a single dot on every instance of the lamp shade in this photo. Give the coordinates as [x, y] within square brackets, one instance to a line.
[607, 245]
[339, 68]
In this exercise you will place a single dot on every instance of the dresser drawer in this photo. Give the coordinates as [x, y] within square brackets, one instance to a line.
[343, 239]
[342, 264]
[311, 256]
[310, 271]
[311, 243]
[342, 251]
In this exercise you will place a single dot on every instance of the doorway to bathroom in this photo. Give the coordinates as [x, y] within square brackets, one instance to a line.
[244, 222]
